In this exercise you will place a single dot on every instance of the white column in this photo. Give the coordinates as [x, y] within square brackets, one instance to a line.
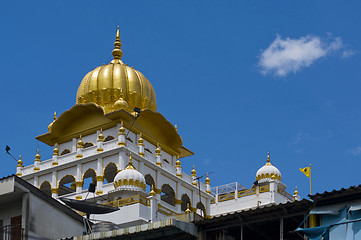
[273, 190]
[141, 145]
[236, 192]
[36, 180]
[195, 199]
[54, 184]
[78, 182]
[140, 166]
[121, 160]
[99, 177]
[208, 206]
[121, 135]
[217, 195]
[158, 184]
[73, 146]
[179, 197]
[153, 207]
[178, 167]
[158, 155]
[100, 141]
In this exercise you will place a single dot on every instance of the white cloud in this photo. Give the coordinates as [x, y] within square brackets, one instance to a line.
[300, 137]
[355, 151]
[288, 55]
[348, 53]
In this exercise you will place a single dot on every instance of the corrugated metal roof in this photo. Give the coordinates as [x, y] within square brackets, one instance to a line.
[334, 194]
[298, 206]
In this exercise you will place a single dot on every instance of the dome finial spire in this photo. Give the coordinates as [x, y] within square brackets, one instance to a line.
[130, 164]
[117, 53]
[268, 158]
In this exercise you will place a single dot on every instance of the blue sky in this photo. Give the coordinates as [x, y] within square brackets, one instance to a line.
[238, 78]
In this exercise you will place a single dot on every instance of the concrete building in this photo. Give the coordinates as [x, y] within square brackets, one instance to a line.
[26, 213]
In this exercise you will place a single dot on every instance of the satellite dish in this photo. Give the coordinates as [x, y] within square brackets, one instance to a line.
[88, 207]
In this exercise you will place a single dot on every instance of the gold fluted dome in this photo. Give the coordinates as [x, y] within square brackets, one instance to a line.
[116, 86]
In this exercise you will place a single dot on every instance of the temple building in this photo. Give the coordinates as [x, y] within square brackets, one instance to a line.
[114, 139]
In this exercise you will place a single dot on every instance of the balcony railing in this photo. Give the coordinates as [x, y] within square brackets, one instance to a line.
[12, 232]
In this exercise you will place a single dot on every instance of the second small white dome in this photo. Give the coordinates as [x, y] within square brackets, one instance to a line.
[267, 172]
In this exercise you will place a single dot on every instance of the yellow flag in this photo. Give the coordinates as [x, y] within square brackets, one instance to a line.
[306, 171]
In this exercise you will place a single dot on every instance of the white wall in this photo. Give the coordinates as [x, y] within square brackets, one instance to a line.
[50, 222]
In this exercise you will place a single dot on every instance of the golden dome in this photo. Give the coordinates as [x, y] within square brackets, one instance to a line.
[116, 86]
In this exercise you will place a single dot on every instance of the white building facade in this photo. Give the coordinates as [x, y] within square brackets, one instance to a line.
[113, 121]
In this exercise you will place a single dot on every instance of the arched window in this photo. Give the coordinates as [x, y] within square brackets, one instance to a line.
[109, 172]
[185, 201]
[201, 210]
[108, 138]
[88, 144]
[89, 177]
[168, 194]
[66, 151]
[45, 187]
[67, 185]
[149, 181]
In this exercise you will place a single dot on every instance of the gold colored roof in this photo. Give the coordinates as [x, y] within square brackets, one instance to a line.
[85, 119]
[116, 86]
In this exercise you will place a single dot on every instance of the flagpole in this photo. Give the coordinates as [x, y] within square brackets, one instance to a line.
[310, 178]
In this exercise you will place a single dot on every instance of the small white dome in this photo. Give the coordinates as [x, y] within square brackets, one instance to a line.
[130, 179]
[267, 172]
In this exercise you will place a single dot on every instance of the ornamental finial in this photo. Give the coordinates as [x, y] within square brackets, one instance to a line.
[194, 172]
[80, 143]
[207, 180]
[37, 156]
[268, 158]
[121, 129]
[152, 192]
[56, 150]
[55, 116]
[101, 136]
[140, 140]
[296, 192]
[130, 164]
[20, 162]
[178, 163]
[117, 53]
[188, 210]
[157, 150]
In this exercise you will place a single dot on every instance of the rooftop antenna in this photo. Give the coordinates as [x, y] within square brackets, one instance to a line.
[7, 149]
[137, 113]
[199, 187]
[91, 189]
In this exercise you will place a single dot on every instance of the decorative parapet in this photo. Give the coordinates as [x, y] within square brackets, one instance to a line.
[285, 194]
[165, 210]
[227, 192]
[129, 201]
[264, 189]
